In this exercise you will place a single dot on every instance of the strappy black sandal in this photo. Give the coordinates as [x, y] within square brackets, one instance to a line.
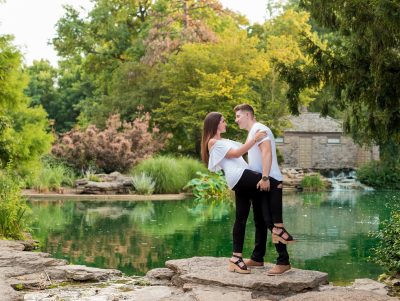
[278, 237]
[237, 267]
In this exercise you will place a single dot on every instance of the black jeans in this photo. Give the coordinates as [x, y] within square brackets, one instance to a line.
[246, 194]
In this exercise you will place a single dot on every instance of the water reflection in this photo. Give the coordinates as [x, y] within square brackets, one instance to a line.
[136, 236]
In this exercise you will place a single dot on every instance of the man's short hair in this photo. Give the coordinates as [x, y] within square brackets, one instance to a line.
[245, 107]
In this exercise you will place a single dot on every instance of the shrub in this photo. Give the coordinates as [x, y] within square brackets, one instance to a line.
[387, 253]
[117, 148]
[312, 183]
[13, 207]
[169, 174]
[380, 176]
[191, 166]
[209, 186]
[52, 177]
[143, 184]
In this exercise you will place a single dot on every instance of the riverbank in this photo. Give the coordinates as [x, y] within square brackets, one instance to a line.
[73, 194]
[27, 275]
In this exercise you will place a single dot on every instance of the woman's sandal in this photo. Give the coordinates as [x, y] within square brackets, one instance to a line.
[236, 267]
[278, 237]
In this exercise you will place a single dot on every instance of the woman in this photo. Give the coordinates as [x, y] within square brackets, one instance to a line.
[226, 154]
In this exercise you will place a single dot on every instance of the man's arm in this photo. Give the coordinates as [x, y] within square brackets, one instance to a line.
[266, 156]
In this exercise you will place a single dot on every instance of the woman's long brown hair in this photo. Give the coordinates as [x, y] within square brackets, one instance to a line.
[210, 127]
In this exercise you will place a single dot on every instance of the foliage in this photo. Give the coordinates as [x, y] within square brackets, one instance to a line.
[312, 183]
[360, 63]
[208, 77]
[386, 253]
[117, 148]
[24, 135]
[379, 175]
[143, 184]
[52, 177]
[13, 208]
[169, 174]
[209, 186]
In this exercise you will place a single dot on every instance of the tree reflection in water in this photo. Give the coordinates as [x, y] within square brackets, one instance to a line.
[136, 236]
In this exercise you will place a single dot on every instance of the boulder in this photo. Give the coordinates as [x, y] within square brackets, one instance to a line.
[213, 271]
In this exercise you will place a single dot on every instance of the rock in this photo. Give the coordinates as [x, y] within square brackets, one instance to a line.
[21, 269]
[84, 273]
[213, 271]
[208, 293]
[113, 183]
[160, 276]
[339, 294]
[370, 285]
[160, 273]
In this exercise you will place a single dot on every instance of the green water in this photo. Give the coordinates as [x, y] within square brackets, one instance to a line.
[134, 237]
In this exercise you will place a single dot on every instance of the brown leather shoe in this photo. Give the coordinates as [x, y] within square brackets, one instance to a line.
[253, 264]
[278, 269]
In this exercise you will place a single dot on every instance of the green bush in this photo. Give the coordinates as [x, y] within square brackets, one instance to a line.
[312, 183]
[143, 184]
[191, 166]
[170, 174]
[387, 252]
[13, 207]
[379, 176]
[210, 186]
[52, 177]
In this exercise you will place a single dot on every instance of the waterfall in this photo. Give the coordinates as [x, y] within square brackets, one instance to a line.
[346, 180]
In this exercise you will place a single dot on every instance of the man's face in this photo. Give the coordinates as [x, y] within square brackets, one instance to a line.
[242, 119]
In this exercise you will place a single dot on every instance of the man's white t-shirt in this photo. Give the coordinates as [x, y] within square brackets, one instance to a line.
[254, 154]
[233, 167]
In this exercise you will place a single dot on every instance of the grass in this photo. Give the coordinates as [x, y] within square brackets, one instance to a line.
[143, 184]
[170, 174]
[312, 183]
[13, 207]
[53, 177]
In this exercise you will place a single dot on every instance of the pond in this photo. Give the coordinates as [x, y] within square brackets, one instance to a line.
[134, 237]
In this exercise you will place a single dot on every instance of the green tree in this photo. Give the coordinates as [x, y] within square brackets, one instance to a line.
[102, 41]
[209, 77]
[23, 129]
[361, 64]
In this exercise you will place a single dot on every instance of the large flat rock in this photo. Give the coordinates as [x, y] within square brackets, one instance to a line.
[340, 294]
[213, 271]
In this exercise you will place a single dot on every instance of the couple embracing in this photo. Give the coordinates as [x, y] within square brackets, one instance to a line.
[257, 183]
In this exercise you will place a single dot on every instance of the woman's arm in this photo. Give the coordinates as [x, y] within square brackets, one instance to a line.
[237, 152]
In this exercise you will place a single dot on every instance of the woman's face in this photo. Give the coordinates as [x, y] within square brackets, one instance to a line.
[222, 125]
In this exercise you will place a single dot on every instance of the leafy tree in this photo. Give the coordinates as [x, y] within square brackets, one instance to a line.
[23, 129]
[42, 89]
[101, 41]
[208, 77]
[360, 64]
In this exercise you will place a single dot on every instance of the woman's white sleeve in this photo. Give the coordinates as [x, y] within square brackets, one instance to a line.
[217, 154]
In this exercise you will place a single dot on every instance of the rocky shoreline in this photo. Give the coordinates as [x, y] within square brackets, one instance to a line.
[35, 276]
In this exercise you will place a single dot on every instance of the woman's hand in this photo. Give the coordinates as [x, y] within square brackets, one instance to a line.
[260, 135]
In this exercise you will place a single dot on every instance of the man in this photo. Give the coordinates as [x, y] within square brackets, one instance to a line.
[262, 158]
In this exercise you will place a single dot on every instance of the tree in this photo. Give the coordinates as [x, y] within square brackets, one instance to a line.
[24, 135]
[361, 64]
[102, 41]
[209, 77]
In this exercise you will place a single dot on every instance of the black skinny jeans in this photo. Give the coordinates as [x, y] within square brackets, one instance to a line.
[267, 209]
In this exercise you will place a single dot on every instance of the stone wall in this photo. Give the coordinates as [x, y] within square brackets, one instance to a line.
[316, 151]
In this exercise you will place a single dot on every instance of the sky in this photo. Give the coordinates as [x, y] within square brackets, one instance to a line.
[32, 22]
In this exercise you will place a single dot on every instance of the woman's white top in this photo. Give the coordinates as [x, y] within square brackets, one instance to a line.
[233, 167]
